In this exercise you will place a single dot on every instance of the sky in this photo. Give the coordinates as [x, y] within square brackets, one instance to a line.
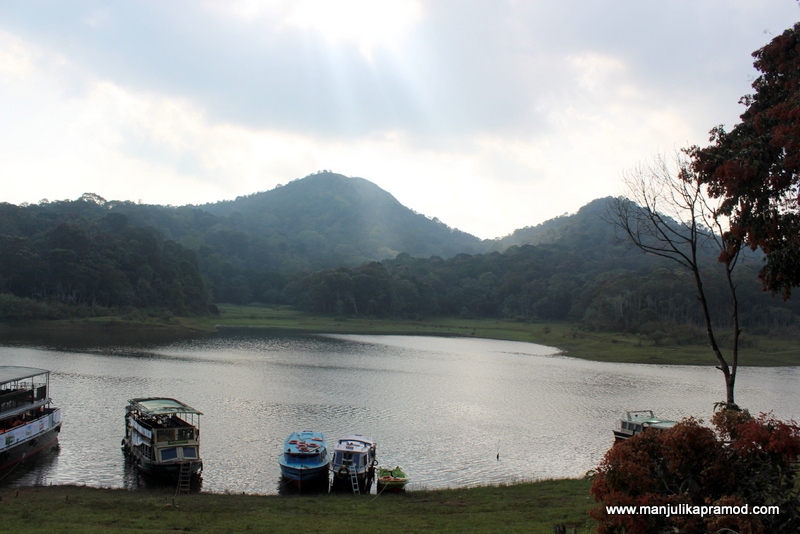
[491, 115]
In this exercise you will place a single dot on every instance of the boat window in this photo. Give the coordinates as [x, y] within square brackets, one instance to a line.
[185, 434]
[338, 458]
[190, 452]
[167, 434]
[169, 454]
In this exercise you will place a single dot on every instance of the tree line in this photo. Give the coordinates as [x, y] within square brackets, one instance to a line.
[88, 255]
[535, 283]
[71, 265]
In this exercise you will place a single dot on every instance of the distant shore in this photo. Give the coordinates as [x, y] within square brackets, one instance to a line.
[535, 507]
[569, 338]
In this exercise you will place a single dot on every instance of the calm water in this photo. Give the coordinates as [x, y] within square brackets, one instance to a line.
[442, 408]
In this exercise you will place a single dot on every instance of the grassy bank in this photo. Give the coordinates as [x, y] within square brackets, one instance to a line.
[528, 507]
[601, 346]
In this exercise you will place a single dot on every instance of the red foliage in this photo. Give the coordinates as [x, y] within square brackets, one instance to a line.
[755, 168]
[745, 461]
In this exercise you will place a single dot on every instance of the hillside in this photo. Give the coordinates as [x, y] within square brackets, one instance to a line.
[344, 221]
[331, 244]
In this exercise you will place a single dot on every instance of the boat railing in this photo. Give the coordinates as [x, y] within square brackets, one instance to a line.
[175, 434]
[24, 430]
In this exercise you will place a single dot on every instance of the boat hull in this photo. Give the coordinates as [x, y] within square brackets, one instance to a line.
[343, 482]
[27, 449]
[391, 487]
[620, 436]
[169, 470]
[301, 477]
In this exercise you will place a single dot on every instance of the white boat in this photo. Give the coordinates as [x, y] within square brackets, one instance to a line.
[635, 422]
[29, 423]
[162, 437]
[353, 464]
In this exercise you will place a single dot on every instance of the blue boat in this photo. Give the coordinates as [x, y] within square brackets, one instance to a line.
[305, 458]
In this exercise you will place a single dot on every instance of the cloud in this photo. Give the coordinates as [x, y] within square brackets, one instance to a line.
[488, 115]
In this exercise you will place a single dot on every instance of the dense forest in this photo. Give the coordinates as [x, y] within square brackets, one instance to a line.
[336, 245]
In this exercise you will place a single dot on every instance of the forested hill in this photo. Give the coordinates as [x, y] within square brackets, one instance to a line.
[331, 244]
[338, 220]
[585, 229]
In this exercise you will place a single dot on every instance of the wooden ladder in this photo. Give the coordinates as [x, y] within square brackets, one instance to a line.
[354, 480]
[184, 477]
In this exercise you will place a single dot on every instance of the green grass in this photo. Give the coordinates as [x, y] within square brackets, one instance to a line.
[527, 507]
[757, 350]
[600, 346]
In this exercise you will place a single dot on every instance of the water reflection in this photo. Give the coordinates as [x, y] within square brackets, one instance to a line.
[133, 479]
[442, 408]
[34, 471]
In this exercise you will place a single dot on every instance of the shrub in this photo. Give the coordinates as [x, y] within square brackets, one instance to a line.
[742, 461]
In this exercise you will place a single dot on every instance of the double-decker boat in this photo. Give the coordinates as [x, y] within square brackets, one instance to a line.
[638, 421]
[353, 464]
[162, 437]
[305, 459]
[28, 422]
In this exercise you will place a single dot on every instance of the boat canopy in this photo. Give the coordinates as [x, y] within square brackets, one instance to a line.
[648, 418]
[12, 373]
[354, 443]
[162, 406]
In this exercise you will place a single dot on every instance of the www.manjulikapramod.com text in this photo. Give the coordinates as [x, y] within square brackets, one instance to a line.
[689, 509]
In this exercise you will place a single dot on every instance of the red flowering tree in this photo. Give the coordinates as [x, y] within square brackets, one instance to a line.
[755, 168]
[744, 461]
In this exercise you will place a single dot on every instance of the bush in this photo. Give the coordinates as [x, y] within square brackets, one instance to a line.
[744, 461]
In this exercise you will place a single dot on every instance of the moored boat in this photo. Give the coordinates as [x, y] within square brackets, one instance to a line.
[391, 480]
[162, 437]
[29, 423]
[305, 458]
[353, 464]
[635, 422]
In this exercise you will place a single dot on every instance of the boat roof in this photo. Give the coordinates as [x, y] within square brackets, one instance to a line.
[648, 417]
[162, 406]
[354, 442]
[305, 443]
[319, 437]
[11, 373]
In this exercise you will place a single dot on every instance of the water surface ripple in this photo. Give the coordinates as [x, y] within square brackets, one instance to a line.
[442, 408]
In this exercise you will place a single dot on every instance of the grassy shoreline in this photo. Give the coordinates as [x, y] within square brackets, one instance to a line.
[526, 507]
[761, 351]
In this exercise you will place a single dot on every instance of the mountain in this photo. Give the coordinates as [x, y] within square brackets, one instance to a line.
[337, 220]
[332, 244]
[587, 225]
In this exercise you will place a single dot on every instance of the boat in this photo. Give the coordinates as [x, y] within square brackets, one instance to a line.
[353, 464]
[391, 480]
[162, 437]
[305, 459]
[635, 422]
[29, 423]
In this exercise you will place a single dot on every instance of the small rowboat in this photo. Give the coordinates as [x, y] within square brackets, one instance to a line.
[391, 480]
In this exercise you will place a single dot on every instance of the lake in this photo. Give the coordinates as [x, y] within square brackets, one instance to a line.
[443, 408]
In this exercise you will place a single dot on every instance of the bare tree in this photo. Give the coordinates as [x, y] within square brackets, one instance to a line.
[669, 214]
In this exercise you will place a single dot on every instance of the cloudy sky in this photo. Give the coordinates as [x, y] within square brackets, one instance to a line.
[491, 115]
